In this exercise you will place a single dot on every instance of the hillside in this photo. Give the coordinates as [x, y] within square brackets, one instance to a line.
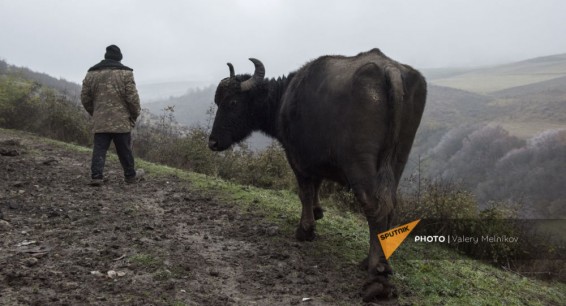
[497, 78]
[190, 108]
[533, 108]
[158, 91]
[453, 107]
[69, 89]
[526, 98]
[179, 238]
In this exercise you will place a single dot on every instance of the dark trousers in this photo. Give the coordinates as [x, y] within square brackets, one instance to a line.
[122, 142]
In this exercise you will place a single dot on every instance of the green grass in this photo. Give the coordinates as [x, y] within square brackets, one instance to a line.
[146, 261]
[344, 237]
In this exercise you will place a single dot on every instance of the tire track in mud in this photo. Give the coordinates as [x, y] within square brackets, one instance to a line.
[166, 243]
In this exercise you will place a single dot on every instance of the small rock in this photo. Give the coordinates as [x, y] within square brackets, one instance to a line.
[112, 274]
[71, 285]
[13, 205]
[30, 262]
[272, 231]
[5, 225]
[39, 254]
[121, 273]
[214, 273]
[50, 161]
[140, 174]
[11, 142]
[169, 285]
[18, 184]
[96, 273]
[26, 242]
[9, 152]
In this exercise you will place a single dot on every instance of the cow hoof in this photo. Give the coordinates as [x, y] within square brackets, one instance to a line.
[318, 213]
[380, 288]
[303, 235]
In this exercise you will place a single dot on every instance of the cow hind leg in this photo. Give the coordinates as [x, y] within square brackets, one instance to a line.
[308, 193]
[377, 267]
[317, 209]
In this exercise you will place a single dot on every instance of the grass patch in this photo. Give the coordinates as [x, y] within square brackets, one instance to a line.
[145, 261]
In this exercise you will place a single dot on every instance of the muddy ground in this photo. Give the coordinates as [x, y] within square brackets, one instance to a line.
[160, 242]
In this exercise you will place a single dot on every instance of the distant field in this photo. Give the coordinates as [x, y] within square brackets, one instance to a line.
[484, 83]
[526, 129]
[491, 79]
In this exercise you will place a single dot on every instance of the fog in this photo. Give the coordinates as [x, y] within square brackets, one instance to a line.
[193, 40]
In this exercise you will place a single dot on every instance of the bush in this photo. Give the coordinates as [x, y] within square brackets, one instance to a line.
[437, 199]
[268, 169]
[28, 106]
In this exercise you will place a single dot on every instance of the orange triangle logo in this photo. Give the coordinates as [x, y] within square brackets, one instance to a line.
[392, 239]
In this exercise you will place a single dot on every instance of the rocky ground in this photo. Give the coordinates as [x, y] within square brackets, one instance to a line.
[159, 242]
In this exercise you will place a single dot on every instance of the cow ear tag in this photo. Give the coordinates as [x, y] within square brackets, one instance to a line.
[392, 239]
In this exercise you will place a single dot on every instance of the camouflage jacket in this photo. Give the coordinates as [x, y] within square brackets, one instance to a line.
[111, 98]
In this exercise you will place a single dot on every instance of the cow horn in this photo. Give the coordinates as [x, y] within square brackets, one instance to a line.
[231, 69]
[259, 73]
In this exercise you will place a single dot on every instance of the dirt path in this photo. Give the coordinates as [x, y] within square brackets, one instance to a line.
[159, 242]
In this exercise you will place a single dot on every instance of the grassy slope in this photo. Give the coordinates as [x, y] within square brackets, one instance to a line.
[525, 98]
[343, 235]
[487, 80]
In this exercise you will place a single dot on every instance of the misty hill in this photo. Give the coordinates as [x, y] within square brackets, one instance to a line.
[450, 107]
[157, 91]
[533, 108]
[502, 144]
[497, 78]
[190, 108]
[525, 97]
[550, 85]
[70, 89]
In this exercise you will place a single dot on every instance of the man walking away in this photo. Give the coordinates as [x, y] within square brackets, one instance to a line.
[110, 96]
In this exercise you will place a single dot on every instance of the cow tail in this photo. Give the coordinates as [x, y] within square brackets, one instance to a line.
[387, 185]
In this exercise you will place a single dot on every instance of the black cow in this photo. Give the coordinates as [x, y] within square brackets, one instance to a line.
[347, 119]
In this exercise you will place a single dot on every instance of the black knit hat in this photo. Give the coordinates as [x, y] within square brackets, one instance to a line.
[113, 53]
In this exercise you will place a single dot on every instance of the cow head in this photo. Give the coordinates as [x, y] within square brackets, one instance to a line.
[233, 121]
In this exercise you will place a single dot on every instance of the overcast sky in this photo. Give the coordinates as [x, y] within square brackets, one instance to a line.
[169, 40]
